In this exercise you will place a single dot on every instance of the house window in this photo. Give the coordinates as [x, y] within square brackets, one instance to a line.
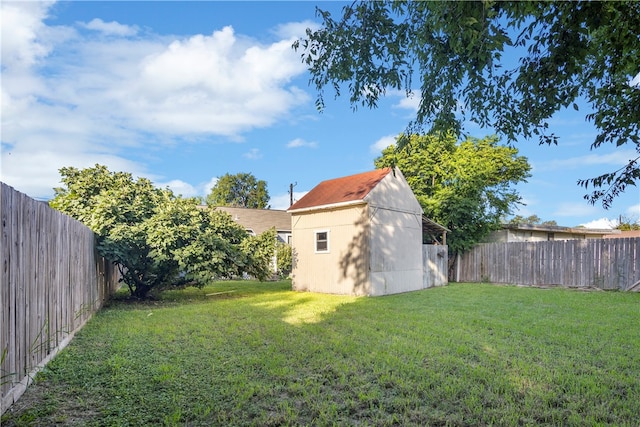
[322, 241]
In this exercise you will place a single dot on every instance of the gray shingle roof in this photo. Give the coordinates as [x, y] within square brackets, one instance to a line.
[259, 220]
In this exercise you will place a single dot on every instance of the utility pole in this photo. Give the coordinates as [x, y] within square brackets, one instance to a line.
[291, 193]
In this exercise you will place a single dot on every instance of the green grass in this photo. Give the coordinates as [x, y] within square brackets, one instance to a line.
[245, 353]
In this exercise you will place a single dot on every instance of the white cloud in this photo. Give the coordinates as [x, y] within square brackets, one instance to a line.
[109, 28]
[617, 158]
[22, 27]
[187, 190]
[299, 142]
[602, 223]
[180, 187]
[100, 97]
[294, 30]
[36, 172]
[253, 154]
[633, 211]
[579, 140]
[209, 185]
[636, 81]
[407, 102]
[377, 147]
[218, 84]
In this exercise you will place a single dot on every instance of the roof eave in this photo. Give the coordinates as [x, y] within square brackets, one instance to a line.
[329, 206]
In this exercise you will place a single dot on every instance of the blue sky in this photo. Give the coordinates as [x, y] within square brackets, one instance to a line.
[184, 92]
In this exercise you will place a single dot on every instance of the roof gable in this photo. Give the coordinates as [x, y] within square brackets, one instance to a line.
[341, 190]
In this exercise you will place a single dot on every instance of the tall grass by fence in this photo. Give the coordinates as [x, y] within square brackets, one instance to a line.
[600, 263]
[52, 281]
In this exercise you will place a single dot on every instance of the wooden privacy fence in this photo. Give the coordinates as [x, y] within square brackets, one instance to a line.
[51, 281]
[434, 265]
[599, 263]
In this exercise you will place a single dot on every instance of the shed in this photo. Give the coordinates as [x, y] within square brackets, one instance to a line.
[358, 235]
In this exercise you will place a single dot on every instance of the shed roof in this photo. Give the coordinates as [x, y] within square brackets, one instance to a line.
[341, 190]
[259, 220]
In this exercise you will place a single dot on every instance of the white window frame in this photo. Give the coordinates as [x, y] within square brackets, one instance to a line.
[315, 242]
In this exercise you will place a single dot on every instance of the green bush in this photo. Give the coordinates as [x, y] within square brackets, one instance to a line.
[284, 259]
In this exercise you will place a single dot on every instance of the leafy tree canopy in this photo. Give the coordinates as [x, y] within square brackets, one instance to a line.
[466, 186]
[627, 223]
[284, 259]
[530, 220]
[159, 240]
[240, 190]
[505, 65]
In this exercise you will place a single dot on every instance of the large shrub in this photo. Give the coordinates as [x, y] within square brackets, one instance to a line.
[159, 240]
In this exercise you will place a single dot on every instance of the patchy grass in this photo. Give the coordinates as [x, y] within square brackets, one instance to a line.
[245, 353]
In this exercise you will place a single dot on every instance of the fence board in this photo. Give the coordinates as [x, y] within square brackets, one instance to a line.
[50, 286]
[600, 263]
[6, 291]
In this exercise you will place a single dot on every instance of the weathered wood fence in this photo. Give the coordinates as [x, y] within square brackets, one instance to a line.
[51, 282]
[599, 263]
[434, 265]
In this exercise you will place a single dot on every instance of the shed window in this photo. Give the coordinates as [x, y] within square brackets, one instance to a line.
[322, 241]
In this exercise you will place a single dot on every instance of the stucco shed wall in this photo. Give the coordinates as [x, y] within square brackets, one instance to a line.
[396, 252]
[396, 237]
[345, 268]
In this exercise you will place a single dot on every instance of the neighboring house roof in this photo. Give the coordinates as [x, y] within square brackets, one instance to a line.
[559, 229]
[343, 190]
[622, 234]
[259, 220]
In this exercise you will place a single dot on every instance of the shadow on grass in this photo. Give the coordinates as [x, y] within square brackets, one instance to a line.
[228, 289]
[458, 355]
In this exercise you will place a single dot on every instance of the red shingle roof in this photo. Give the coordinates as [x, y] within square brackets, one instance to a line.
[340, 190]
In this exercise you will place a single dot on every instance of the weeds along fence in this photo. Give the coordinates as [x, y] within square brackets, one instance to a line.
[51, 282]
[595, 263]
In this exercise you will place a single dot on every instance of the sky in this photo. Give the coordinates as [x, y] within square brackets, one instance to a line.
[185, 92]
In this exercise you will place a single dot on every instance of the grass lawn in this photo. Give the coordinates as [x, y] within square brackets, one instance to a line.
[246, 353]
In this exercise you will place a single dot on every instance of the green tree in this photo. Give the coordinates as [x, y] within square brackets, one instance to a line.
[505, 65]
[284, 259]
[530, 220]
[261, 249]
[627, 223]
[159, 240]
[239, 190]
[466, 186]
